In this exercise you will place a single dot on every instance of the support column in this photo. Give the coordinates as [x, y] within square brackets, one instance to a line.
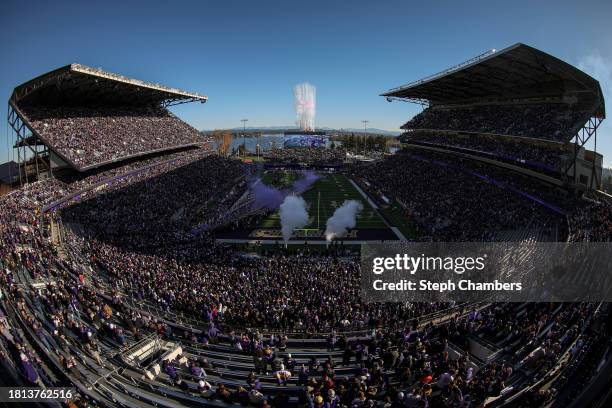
[23, 145]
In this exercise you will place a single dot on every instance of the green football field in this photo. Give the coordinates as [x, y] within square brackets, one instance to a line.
[333, 189]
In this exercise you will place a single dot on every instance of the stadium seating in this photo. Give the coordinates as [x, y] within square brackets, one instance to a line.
[540, 156]
[110, 285]
[313, 156]
[92, 135]
[112, 281]
[99, 298]
[558, 122]
[453, 199]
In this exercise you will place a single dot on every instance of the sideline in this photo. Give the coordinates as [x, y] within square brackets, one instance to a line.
[395, 230]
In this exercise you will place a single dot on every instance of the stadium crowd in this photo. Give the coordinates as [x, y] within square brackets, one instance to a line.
[112, 282]
[406, 365]
[180, 202]
[539, 155]
[447, 204]
[307, 155]
[194, 280]
[72, 182]
[541, 121]
[591, 221]
[117, 262]
[90, 135]
[456, 199]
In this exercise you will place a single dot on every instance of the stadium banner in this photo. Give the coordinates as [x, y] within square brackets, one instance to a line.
[498, 272]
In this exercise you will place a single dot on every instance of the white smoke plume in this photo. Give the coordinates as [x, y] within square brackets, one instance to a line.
[344, 217]
[304, 96]
[293, 214]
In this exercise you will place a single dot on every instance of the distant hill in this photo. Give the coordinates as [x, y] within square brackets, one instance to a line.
[372, 130]
[355, 130]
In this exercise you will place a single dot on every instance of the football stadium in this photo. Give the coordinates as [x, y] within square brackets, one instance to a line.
[141, 266]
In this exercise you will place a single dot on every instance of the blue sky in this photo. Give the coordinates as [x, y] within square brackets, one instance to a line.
[247, 56]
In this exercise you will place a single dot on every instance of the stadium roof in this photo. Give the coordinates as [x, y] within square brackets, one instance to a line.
[519, 71]
[80, 84]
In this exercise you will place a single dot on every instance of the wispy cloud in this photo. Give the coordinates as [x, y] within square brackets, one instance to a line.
[600, 68]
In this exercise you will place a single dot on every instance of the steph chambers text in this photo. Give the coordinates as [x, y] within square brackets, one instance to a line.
[461, 285]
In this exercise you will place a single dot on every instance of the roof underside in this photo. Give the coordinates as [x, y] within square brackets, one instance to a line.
[519, 71]
[77, 84]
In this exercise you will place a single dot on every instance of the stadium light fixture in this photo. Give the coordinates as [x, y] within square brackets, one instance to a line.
[365, 131]
[244, 121]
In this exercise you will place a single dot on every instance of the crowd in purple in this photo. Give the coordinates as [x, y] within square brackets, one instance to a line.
[455, 199]
[537, 154]
[124, 267]
[446, 204]
[307, 155]
[112, 281]
[90, 135]
[551, 121]
[178, 205]
[101, 285]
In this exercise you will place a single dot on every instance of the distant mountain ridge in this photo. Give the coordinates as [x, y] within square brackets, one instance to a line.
[355, 130]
